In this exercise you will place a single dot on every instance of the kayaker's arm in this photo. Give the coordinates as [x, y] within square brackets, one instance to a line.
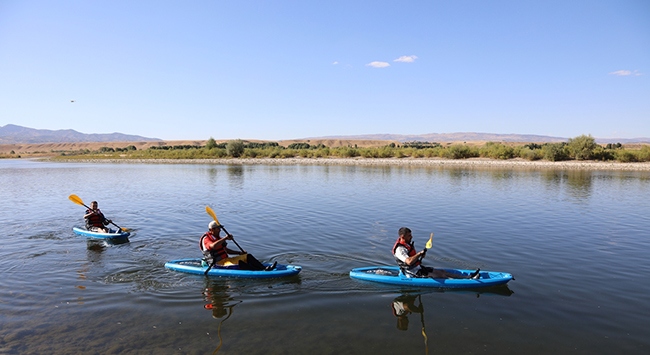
[220, 241]
[412, 259]
[231, 251]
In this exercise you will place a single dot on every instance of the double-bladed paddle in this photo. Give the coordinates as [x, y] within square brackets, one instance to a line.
[214, 217]
[76, 199]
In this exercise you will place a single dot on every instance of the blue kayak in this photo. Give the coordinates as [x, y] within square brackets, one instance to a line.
[114, 234]
[393, 275]
[195, 266]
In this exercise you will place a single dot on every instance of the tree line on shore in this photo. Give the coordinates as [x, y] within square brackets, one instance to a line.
[583, 147]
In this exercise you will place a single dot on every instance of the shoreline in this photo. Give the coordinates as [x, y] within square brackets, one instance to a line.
[411, 162]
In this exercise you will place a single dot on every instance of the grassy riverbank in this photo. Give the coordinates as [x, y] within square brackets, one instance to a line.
[578, 153]
[579, 148]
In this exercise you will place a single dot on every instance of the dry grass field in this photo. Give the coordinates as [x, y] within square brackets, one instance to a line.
[49, 149]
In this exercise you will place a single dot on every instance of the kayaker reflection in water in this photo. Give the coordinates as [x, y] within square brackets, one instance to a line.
[410, 261]
[95, 220]
[221, 304]
[215, 250]
[219, 301]
[402, 306]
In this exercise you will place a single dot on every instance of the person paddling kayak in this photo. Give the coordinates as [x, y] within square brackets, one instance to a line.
[95, 220]
[410, 261]
[215, 251]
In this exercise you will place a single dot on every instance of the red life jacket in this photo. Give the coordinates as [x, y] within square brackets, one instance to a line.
[411, 251]
[220, 250]
[96, 219]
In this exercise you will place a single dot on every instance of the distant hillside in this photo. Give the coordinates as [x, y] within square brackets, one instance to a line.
[13, 134]
[479, 137]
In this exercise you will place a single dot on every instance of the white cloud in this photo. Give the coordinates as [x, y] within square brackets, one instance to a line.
[378, 64]
[406, 59]
[626, 73]
[335, 63]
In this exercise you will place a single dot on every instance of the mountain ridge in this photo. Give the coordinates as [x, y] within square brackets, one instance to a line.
[476, 136]
[15, 134]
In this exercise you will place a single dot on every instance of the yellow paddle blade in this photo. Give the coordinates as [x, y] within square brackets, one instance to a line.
[74, 198]
[429, 244]
[211, 213]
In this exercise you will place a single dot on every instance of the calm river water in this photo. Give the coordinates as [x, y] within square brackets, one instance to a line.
[577, 243]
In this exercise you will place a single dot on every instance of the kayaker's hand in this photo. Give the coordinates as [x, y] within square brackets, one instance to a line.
[229, 237]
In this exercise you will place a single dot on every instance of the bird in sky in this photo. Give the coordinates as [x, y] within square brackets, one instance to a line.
[71, 101]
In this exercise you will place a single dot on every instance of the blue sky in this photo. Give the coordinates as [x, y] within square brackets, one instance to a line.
[295, 69]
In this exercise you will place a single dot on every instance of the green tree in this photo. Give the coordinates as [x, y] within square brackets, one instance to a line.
[235, 148]
[459, 151]
[211, 143]
[554, 151]
[299, 146]
[582, 147]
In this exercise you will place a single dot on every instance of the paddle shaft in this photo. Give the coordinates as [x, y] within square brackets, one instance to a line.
[214, 261]
[210, 267]
[214, 217]
[233, 240]
[111, 222]
[77, 200]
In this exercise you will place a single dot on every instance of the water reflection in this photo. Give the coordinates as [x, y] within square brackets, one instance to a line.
[501, 290]
[407, 304]
[236, 176]
[81, 276]
[578, 182]
[220, 303]
[96, 247]
[212, 175]
[117, 241]
[402, 307]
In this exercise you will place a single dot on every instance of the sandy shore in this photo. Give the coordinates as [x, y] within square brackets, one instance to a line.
[415, 162]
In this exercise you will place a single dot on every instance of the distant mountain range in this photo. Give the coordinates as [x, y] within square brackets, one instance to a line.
[13, 134]
[478, 137]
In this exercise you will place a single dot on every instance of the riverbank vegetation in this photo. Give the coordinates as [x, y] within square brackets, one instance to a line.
[583, 147]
